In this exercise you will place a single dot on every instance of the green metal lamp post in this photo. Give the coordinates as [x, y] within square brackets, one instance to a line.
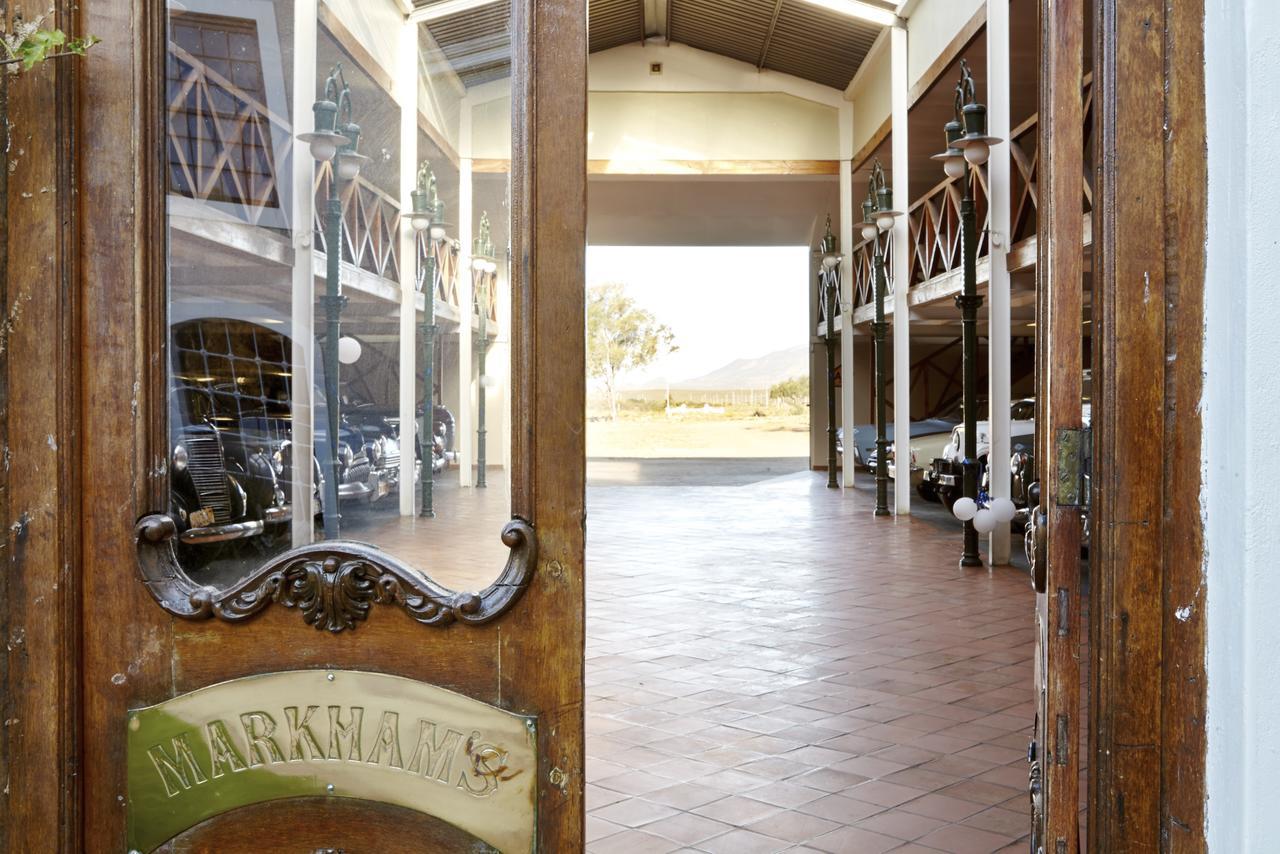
[878, 216]
[829, 283]
[335, 140]
[428, 216]
[968, 146]
[482, 262]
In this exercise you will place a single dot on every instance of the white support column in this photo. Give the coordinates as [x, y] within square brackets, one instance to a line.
[846, 290]
[901, 254]
[999, 332]
[466, 424]
[406, 86]
[302, 302]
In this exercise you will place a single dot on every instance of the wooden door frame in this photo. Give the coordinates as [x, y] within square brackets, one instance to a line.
[1146, 680]
[1147, 705]
[85, 233]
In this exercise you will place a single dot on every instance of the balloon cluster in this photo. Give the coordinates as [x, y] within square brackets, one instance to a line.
[986, 512]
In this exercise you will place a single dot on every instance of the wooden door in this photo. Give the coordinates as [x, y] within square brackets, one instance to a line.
[1061, 443]
[479, 693]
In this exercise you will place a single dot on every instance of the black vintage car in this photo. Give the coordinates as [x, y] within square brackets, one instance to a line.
[221, 488]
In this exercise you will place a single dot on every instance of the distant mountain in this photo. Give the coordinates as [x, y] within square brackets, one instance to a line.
[761, 372]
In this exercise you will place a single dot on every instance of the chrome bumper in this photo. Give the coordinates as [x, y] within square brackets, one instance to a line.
[221, 533]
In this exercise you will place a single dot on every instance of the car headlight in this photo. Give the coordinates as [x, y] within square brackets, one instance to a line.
[346, 455]
[277, 462]
[179, 458]
[373, 451]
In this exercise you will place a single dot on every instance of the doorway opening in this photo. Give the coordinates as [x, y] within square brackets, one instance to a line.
[698, 364]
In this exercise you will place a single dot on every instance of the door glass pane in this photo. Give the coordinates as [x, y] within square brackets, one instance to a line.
[338, 201]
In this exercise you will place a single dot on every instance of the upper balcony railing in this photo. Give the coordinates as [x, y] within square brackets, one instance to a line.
[371, 224]
[934, 220]
[222, 143]
[488, 283]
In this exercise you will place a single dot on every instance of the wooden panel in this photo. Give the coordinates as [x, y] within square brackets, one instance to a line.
[321, 824]
[39, 605]
[1182, 771]
[531, 660]
[1148, 596]
[1060, 306]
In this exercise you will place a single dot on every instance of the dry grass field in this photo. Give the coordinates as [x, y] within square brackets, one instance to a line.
[734, 431]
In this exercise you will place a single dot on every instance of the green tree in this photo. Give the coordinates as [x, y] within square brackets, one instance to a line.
[621, 336]
[796, 388]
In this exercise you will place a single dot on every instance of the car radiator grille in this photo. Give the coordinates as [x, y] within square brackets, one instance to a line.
[209, 474]
[392, 459]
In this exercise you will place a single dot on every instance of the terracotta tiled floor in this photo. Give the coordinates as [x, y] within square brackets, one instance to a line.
[770, 668]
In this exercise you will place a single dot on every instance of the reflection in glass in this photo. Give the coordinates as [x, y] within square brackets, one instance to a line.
[338, 348]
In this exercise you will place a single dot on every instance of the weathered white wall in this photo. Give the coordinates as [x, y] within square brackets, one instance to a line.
[1241, 442]
[702, 107]
[374, 23]
[932, 25]
[871, 93]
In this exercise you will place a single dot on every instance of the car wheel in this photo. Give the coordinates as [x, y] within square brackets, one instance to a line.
[948, 497]
[927, 491]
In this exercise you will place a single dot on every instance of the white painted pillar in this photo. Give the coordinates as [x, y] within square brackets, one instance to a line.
[466, 425]
[999, 333]
[901, 254]
[846, 290]
[406, 88]
[302, 302]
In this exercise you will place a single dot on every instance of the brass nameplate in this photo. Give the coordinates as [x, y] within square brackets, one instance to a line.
[332, 733]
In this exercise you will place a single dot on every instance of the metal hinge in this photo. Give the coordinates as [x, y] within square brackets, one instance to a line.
[1073, 452]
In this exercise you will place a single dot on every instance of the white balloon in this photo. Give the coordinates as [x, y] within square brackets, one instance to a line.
[1004, 509]
[348, 350]
[985, 521]
[964, 509]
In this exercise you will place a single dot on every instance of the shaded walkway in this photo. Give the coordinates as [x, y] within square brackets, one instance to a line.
[771, 668]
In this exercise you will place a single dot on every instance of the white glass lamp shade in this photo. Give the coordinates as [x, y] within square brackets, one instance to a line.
[977, 152]
[964, 509]
[420, 221]
[984, 521]
[349, 350]
[869, 230]
[437, 231]
[491, 266]
[1004, 509]
[349, 163]
[830, 261]
[884, 220]
[323, 149]
[477, 264]
[954, 165]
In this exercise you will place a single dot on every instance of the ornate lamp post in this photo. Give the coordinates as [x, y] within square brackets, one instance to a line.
[968, 145]
[877, 217]
[482, 262]
[335, 140]
[428, 216]
[829, 285]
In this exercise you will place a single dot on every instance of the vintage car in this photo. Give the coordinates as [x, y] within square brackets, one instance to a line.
[946, 472]
[221, 488]
[923, 448]
[864, 436]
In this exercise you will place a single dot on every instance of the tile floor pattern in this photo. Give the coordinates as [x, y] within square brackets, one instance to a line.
[770, 668]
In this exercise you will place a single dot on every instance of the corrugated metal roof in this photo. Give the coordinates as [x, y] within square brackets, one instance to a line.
[789, 36]
[614, 22]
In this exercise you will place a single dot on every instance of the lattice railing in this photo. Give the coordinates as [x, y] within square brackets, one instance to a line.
[478, 282]
[934, 220]
[445, 271]
[864, 275]
[221, 143]
[371, 224]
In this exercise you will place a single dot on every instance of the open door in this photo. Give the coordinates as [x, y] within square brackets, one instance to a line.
[326, 688]
[1062, 443]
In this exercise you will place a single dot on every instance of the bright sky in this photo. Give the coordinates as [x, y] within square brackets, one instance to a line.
[722, 303]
